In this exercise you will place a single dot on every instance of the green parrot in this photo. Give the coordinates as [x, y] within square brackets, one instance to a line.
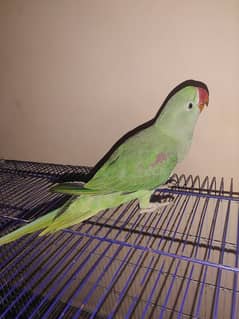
[139, 163]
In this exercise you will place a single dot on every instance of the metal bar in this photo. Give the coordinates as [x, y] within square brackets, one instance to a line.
[164, 307]
[208, 252]
[59, 265]
[180, 313]
[136, 300]
[189, 279]
[10, 291]
[78, 271]
[114, 278]
[45, 280]
[157, 251]
[41, 175]
[204, 210]
[158, 257]
[138, 264]
[182, 209]
[16, 245]
[141, 259]
[147, 244]
[235, 280]
[189, 224]
[101, 276]
[217, 292]
[197, 194]
[29, 283]
[14, 192]
[150, 267]
[149, 301]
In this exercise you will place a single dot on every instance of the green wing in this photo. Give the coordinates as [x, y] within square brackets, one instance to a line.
[144, 161]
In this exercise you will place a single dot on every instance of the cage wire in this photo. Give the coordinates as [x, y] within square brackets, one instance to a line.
[179, 263]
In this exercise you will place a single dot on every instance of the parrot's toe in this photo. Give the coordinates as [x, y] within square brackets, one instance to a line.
[155, 206]
[171, 182]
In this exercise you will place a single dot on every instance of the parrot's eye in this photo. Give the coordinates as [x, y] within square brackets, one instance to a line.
[190, 105]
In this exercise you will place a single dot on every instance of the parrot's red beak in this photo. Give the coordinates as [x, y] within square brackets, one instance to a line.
[203, 98]
[201, 107]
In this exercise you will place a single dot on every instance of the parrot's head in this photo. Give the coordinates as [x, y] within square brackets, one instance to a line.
[182, 107]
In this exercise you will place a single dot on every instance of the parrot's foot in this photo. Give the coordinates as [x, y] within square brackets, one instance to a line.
[155, 206]
[171, 182]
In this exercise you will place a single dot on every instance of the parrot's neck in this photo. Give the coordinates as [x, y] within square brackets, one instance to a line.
[181, 137]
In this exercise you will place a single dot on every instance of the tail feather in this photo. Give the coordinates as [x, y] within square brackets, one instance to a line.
[67, 220]
[38, 224]
[75, 211]
[76, 188]
[72, 188]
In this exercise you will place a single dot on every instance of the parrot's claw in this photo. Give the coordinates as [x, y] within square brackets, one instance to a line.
[155, 206]
[171, 182]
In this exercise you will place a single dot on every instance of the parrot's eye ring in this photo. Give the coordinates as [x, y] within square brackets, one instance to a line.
[190, 105]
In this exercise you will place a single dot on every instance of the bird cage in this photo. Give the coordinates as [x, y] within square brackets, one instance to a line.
[181, 262]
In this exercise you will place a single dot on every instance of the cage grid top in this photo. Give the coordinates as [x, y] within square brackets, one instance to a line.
[179, 263]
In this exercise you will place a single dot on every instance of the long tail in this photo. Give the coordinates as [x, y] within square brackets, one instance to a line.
[76, 210]
[38, 224]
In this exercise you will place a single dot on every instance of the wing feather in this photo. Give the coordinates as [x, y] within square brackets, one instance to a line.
[144, 161]
[136, 164]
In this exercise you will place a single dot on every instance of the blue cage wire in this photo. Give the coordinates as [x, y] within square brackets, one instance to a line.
[179, 263]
